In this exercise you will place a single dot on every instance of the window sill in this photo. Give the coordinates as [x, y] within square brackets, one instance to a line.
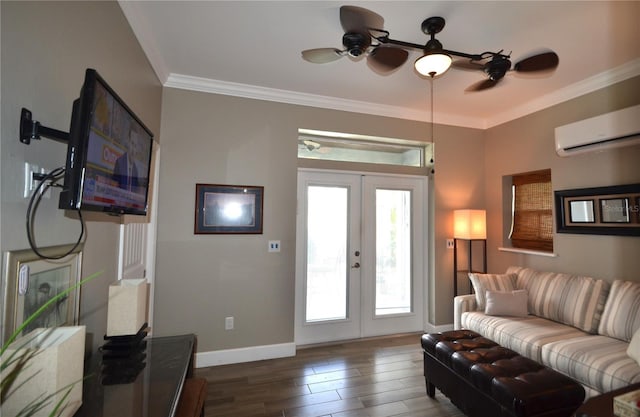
[528, 252]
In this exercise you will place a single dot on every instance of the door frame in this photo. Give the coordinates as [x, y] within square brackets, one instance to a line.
[130, 233]
[425, 251]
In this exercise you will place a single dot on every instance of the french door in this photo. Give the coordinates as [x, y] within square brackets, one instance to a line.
[360, 262]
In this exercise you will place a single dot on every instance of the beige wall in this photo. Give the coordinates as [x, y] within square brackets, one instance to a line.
[46, 47]
[458, 184]
[216, 139]
[527, 144]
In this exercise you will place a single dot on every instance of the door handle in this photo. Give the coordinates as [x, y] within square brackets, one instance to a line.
[356, 265]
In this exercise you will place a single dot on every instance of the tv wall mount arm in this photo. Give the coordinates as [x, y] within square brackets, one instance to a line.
[31, 129]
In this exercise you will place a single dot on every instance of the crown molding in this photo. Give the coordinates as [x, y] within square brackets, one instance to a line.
[187, 82]
[588, 85]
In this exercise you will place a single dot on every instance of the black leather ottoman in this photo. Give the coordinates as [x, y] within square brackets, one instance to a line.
[484, 379]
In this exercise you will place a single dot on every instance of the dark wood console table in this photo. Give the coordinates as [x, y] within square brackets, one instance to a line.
[155, 390]
[602, 405]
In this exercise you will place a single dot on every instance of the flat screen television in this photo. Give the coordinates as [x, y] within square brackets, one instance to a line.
[108, 155]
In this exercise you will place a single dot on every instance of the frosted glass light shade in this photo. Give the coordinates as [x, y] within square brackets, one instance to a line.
[127, 308]
[57, 364]
[433, 64]
[470, 224]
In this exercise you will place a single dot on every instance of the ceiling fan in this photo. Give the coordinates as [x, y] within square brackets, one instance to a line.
[364, 35]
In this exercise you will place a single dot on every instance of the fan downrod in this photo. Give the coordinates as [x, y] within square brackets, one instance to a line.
[433, 25]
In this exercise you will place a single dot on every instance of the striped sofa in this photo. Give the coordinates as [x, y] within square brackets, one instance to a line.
[579, 326]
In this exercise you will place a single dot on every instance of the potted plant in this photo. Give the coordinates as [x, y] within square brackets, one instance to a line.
[20, 368]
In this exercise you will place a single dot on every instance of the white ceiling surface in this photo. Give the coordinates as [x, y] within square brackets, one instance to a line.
[253, 49]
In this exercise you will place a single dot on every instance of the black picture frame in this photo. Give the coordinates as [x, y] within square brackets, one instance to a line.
[598, 200]
[228, 209]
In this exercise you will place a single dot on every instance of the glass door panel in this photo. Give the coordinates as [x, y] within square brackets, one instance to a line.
[393, 252]
[327, 233]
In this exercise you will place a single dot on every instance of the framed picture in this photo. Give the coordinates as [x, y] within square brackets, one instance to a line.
[613, 210]
[32, 281]
[228, 209]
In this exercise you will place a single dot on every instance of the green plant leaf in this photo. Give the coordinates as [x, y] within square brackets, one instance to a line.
[46, 305]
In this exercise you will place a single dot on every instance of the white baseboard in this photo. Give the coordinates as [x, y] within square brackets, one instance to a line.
[248, 354]
[258, 353]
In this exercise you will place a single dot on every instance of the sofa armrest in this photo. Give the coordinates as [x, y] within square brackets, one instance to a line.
[462, 304]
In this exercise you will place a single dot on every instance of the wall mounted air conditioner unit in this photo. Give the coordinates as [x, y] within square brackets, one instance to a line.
[610, 130]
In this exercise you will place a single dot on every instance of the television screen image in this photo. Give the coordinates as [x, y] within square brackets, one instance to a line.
[116, 171]
[109, 155]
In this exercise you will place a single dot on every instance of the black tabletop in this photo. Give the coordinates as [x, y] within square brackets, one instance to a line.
[147, 384]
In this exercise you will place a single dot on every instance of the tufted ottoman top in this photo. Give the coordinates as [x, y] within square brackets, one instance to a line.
[521, 385]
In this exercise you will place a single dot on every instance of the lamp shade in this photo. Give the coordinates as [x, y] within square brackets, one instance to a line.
[470, 224]
[56, 365]
[127, 308]
[433, 64]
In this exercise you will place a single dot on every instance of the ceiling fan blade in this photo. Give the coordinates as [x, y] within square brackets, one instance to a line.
[386, 59]
[481, 85]
[321, 55]
[467, 65]
[540, 62]
[358, 19]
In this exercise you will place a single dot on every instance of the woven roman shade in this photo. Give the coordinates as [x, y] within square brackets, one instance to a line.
[532, 215]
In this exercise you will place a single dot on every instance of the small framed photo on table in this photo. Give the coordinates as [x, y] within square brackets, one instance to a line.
[228, 209]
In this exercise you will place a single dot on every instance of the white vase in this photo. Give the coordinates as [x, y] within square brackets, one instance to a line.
[127, 309]
[57, 364]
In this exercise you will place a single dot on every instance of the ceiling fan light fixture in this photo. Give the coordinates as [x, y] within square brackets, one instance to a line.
[364, 36]
[432, 64]
[435, 60]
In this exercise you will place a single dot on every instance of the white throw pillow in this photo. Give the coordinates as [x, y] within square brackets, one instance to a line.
[634, 347]
[494, 282]
[506, 303]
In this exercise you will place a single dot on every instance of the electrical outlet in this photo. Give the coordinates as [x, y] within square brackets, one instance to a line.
[449, 243]
[274, 246]
[228, 323]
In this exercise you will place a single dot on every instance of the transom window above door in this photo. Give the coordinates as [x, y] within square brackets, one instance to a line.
[346, 147]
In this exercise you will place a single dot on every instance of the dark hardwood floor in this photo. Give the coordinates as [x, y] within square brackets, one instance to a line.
[373, 378]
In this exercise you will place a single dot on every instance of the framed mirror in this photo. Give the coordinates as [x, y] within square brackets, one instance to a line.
[581, 211]
[613, 210]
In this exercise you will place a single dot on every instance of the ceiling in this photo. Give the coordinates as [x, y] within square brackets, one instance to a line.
[253, 49]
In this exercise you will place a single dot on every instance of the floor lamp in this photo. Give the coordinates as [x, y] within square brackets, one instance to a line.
[469, 225]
